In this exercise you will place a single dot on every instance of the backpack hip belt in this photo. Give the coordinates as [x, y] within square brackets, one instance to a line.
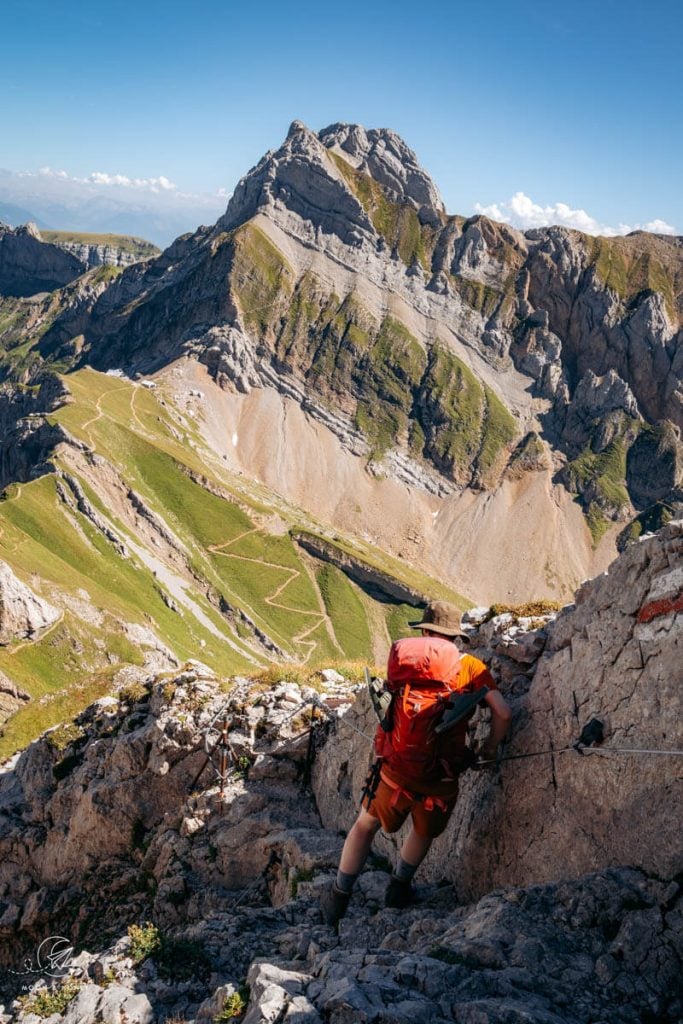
[430, 802]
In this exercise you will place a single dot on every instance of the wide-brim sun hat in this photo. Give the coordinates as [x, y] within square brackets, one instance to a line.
[441, 617]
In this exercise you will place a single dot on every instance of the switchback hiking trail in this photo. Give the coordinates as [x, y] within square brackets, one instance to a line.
[272, 598]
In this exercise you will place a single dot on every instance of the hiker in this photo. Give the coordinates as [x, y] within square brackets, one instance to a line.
[418, 767]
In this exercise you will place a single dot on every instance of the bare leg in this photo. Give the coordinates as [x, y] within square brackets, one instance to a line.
[358, 843]
[415, 848]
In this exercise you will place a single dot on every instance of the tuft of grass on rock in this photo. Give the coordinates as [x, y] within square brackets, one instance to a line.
[530, 610]
[306, 675]
[62, 736]
[133, 693]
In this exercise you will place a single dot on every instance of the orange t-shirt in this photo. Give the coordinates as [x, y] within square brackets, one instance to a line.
[473, 675]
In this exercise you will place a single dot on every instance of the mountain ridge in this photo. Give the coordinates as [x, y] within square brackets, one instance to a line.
[441, 350]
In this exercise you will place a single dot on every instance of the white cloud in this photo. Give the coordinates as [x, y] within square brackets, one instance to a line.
[47, 172]
[660, 227]
[155, 184]
[161, 183]
[520, 211]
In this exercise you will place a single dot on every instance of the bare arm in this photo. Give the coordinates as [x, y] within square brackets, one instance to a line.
[501, 716]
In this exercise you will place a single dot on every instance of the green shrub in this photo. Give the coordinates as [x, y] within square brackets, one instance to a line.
[300, 875]
[109, 977]
[145, 940]
[52, 1000]
[179, 959]
[234, 1006]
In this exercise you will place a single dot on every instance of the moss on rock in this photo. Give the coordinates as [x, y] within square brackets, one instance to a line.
[262, 279]
[397, 223]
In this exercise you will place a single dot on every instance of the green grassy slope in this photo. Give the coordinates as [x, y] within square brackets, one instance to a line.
[238, 579]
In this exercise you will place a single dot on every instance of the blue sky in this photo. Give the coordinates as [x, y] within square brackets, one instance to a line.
[576, 104]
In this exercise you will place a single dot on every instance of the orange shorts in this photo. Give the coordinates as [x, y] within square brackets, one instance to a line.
[392, 804]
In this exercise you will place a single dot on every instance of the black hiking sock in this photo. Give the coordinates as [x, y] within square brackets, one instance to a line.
[404, 871]
[345, 882]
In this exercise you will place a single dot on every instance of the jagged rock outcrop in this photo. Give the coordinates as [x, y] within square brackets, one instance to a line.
[614, 655]
[26, 451]
[384, 156]
[22, 613]
[46, 394]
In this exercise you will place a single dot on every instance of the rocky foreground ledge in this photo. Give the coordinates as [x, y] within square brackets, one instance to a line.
[183, 906]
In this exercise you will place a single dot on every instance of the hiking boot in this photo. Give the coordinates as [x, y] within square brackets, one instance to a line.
[399, 894]
[333, 904]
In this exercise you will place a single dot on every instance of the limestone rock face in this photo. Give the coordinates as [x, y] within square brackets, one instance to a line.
[29, 265]
[103, 255]
[615, 655]
[22, 613]
[596, 399]
[300, 178]
[384, 156]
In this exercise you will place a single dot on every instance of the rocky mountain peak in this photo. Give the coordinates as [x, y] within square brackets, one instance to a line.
[430, 344]
[383, 155]
[301, 177]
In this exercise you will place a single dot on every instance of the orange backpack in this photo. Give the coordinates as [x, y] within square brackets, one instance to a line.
[422, 673]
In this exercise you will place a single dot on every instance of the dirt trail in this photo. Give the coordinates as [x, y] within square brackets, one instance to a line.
[98, 407]
[271, 599]
[35, 639]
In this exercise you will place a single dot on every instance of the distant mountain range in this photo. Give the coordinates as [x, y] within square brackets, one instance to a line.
[54, 201]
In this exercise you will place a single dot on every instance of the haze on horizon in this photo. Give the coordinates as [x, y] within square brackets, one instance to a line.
[530, 115]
